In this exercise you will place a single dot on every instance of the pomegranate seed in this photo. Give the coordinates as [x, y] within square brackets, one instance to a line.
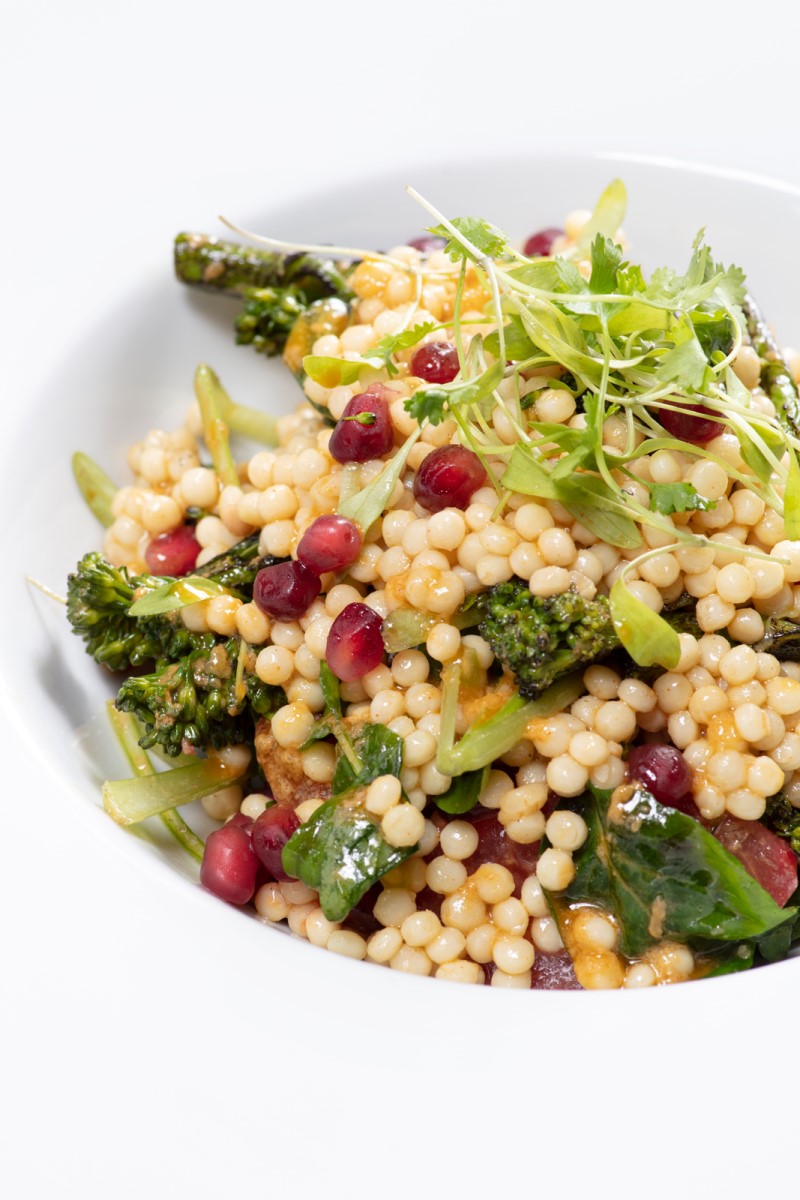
[664, 772]
[695, 429]
[271, 832]
[329, 544]
[436, 363]
[242, 821]
[229, 865]
[173, 553]
[285, 590]
[352, 441]
[447, 478]
[540, 245]
[355, 642]
[767, 857]
[427, 242]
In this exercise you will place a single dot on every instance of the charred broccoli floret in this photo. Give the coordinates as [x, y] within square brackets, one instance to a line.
[784, 819]
[204, 699]
[276, 288]
[541, 638]
[100, 595]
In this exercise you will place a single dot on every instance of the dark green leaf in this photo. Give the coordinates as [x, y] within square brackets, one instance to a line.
[381, 753]
[463, 793]
[663, 876]
[330, 689]
[341, 852]
[736, 958]
[671, 498]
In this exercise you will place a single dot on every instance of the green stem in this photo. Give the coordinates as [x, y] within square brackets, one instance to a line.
[95, 486]
[126, 727]
[212, 398]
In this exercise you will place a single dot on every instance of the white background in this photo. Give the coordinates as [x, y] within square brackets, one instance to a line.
[121, 124]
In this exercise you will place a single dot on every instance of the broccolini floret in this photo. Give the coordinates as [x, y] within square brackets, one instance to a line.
[206, 698]
[276, 288]
[99, 596]
[541, 638]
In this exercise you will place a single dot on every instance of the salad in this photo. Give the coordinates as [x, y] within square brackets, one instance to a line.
[487, 661]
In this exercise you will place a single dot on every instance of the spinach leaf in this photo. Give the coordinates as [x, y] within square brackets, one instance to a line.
[380, 752]
[662, 875]
[463, 793]
[341, 852]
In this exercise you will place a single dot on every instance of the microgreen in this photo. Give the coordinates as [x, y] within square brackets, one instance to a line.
[395, 343]
[668, 498]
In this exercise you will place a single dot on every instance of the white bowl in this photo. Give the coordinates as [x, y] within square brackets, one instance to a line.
[133, 371]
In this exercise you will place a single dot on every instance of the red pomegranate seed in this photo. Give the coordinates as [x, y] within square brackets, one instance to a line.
[354, 441]
[329, 544]
[285, 590]
[355, 643]
[427, 242]
[271, 832]
[689, 428]
[540, 245]
[229, 865]
[767, 857]
[242, 821]
[447, 478]
[664, 772]
[436, 363]
[173, 553]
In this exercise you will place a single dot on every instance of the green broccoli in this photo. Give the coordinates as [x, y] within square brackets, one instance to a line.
[784, 819]
[100, 595]
[541, 638]
[276, 288]
[206, 698]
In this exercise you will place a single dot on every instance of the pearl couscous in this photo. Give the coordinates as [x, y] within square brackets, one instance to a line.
[535, 850]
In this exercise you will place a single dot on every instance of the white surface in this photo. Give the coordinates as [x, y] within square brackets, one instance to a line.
[149, 1043]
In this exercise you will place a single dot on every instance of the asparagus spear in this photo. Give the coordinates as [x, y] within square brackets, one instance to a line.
[276, 288]
[776, 378]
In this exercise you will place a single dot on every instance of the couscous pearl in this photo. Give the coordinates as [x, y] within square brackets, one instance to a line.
[533, 897]
[420, 928]
[565, 776]
[221, 614]
[463, 910]
[494, 883]
[504, 979]
[783, 696]
[514, 955]
[274, 665]
[458, 840]
[640, 975]
[555, 870]
[292, 725]
[510, 916]
[615, 720]
[270, 904]
[566, 830]
[598, 970]
[403, 825]
[382, 794]
[223, 804]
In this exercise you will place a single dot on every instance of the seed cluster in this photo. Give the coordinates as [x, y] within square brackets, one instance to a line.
[734, 712]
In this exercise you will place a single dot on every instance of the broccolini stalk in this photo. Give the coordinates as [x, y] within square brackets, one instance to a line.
[127, 730]
[206, 698]
[276, 288]
[488, 740]
[95, 486]
[211, 398]
[240, 418]
[129, 801]
[776, 378]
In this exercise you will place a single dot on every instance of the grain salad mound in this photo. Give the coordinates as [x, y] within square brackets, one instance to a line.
[486, 664]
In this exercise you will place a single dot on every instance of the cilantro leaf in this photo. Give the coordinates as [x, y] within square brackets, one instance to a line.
[606, 258]
[432, 403]
[668, 498]
[485, 237]
[393, 343]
